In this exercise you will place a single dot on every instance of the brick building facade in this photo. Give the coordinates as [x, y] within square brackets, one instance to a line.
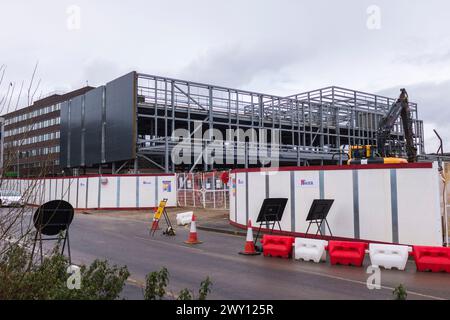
[31, 137]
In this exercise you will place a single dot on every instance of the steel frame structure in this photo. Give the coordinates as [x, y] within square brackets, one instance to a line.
[314, 126]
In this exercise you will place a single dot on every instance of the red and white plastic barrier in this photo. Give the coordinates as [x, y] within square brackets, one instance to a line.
[389, 256]
[310, 249]
[346, 252]
[184, 218]
[277, 246]
[435, 259]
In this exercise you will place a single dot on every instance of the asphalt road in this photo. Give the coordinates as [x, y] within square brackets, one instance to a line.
[127, 242]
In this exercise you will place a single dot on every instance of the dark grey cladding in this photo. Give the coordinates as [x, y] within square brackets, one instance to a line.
[100, 126]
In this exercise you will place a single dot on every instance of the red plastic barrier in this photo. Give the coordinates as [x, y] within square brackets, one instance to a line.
[435, 259]
[346, 252]
[277, 246]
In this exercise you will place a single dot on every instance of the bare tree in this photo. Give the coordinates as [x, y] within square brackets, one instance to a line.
[16, 227]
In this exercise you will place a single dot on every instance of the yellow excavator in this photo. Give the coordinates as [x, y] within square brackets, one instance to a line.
[385, 152]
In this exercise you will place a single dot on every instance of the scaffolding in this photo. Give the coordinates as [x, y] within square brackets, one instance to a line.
[314, 127]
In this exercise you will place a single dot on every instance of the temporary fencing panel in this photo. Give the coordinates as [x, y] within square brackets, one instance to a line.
[100, 192]
[202, 190]
[384, 203]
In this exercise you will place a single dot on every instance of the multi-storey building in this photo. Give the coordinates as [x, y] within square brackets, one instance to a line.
[31, 137]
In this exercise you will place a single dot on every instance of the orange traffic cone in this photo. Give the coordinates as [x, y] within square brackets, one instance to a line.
[193, 233]
[249, 249]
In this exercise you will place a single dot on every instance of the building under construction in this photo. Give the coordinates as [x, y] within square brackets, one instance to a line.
[127, 125]
[315, 127]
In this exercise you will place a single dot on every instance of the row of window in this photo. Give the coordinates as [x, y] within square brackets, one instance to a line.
[38, 152]
[31, 140]
[34, 126]
[33, 114]
[39, 164]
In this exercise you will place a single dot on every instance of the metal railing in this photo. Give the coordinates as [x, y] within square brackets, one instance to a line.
[202, 190]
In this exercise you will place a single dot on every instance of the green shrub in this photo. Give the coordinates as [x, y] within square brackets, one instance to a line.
[20, 280]
[155, 284]
[400, 293]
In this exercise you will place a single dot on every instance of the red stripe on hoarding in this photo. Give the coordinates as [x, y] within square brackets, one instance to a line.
[99, 175]
[423, 165]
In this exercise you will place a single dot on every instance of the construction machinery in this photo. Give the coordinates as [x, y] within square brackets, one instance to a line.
[389, 149]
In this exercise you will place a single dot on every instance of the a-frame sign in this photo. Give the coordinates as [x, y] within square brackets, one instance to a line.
[161, 211]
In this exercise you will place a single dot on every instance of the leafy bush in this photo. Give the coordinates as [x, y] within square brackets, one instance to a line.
[185, 294]
[19, 280]
[204, 289]
[400, 293]
[156, 285]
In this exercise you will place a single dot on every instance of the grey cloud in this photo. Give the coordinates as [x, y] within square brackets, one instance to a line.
[424, 59]
[238, 65]
[99, 71]
[433, 100]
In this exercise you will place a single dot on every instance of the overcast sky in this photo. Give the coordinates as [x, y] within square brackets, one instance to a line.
[279, 47]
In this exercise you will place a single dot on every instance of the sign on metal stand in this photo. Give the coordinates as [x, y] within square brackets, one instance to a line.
[53, 219]
[161, 211]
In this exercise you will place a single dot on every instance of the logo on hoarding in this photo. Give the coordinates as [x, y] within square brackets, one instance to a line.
[167, 186]
[306, 183]
[240, 181]
[146, 182]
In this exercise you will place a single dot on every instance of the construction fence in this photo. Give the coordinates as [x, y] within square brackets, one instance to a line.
[202, 190]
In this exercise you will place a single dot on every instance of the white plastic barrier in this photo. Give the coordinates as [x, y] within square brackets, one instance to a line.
[389, 256]
[310, 249]
[184, 218]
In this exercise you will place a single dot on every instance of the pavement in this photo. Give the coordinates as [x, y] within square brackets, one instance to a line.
[207, 219]
[123, 239]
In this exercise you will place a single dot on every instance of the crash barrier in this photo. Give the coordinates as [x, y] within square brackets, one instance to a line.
[377, 203]
[310, 249]
[99, 191]
[346, 252]
[277, 246]
[389, 256]
[435, 259]
[184, 218]
[432, 258]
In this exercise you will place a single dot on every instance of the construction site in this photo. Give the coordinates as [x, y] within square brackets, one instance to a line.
[348, 175]
[241, 152]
